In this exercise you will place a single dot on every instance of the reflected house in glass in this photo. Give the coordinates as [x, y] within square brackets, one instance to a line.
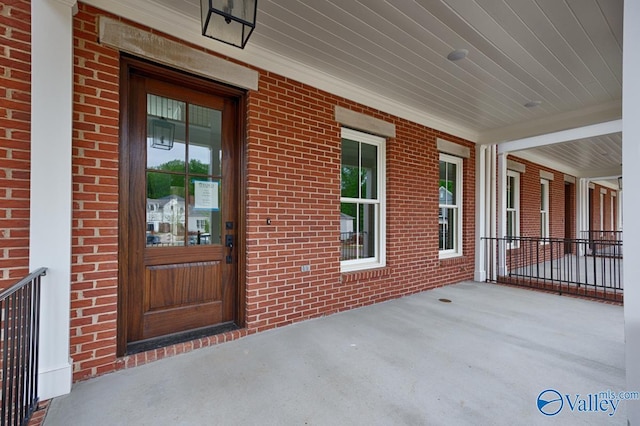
[346, 226]
[166, 218]
[445, 197]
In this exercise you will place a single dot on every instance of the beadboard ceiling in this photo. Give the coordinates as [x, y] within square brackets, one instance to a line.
[392, 55]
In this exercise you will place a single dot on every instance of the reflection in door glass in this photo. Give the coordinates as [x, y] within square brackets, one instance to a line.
[184, 174]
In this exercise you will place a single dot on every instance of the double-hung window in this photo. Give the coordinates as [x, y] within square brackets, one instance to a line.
[544, 208]
[450, 206]
[362, 201]
[513, 207]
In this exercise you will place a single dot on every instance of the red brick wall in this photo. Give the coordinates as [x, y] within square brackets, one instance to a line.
[530, 201]
[15, 133]
[293, 178]
[94, 269]
[597, 223]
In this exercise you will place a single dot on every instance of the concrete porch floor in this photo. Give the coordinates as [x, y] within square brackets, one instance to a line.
[482, 359]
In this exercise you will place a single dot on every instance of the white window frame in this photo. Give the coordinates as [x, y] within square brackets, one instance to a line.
[516, 206]
[457, 250]
[544, 209]
[379, 259]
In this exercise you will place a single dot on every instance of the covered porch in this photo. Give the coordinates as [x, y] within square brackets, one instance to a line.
[470, 353]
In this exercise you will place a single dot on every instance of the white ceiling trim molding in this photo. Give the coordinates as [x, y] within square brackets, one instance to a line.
[608, 111]
[562, 136]
[605, 173]
[161, 18]
[607, 184]
[133, 40]
[548, 162]
[70, 3]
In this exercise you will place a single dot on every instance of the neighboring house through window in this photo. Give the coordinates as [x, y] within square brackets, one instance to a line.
[544, 208]
[513, 206]
[450, 206]
[362, 201]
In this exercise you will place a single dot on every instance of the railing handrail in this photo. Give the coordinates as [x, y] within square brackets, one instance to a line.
[554, 239]
[23, 282]
[20, 330]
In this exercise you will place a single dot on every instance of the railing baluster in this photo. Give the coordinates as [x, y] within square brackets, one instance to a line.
[20, 320]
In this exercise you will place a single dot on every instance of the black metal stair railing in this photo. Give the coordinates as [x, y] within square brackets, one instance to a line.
[19, 333]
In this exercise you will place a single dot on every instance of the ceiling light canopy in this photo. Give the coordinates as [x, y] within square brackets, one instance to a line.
[229, 21]
[532, 104]
[457, 54]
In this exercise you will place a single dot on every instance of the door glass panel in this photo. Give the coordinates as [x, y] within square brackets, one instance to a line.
[183, 145]
[205, 148]
[166, 212]
[204, 217]
[166, 134]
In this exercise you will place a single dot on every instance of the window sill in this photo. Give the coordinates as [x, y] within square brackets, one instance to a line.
[445, 256]
[366, 274]
[453, 260]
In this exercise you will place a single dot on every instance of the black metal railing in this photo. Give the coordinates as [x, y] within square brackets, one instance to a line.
[19, 330]
[559, 264]
[603, 243]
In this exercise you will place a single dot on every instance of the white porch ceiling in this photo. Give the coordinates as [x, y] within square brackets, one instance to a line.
[392, 55]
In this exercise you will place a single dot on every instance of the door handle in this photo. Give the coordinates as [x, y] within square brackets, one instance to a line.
[228, 242]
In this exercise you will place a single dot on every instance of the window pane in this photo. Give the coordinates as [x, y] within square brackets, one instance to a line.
[368, 229]
[350, 180]
[204, 221]
[447, 184]
[451, 176]
[348, 231]
[166, 149]
[166, 212]
[369, 171]
[205, 153]
[447, 223]
[510, 192]
[511, 224]
[357, 230]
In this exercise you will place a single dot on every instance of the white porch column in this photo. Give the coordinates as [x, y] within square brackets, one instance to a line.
[50, 221]
[582, 211]
[502, 211]
[482, 211]
[631, 206]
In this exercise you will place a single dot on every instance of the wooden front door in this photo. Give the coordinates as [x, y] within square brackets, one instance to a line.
[179, 215]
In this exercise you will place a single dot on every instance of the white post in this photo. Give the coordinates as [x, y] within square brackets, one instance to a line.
[493, 207]
[502, 212]
[480, 273]
[50, 216]
[631, 205]
[582, 212]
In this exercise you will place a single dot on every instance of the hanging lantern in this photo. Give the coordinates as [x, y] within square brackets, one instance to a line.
[229, 21]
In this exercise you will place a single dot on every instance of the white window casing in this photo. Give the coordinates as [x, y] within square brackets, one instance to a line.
[370, 218]
[450, 208]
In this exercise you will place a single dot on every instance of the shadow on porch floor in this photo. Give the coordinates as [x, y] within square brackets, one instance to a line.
[483, 358]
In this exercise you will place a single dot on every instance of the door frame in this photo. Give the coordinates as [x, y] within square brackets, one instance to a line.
[128, 66]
